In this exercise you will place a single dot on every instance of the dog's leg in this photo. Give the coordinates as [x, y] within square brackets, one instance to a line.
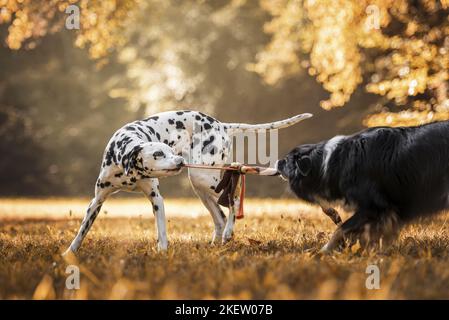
[89, 218]
[150, 188]
[217, 214]
[204, 183]
[353, 225]
[337, 236]
[333, 214]
[229, 229]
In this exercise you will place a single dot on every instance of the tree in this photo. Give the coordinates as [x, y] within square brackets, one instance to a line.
[102, 23]
[399, 49]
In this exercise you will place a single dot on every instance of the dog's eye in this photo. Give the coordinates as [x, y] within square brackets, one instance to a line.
[158, 154]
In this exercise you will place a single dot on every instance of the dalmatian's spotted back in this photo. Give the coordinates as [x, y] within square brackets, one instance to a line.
[141, 152]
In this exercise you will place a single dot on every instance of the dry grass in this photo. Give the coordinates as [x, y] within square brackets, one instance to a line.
[270, 256]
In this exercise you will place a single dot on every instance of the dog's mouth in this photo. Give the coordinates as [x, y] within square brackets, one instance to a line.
[174, 169]
[279, 172]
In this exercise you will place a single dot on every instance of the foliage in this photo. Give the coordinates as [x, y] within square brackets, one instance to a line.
[101, 22]
[405, 59]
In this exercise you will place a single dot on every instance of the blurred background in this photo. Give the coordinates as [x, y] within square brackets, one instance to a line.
[63, 92]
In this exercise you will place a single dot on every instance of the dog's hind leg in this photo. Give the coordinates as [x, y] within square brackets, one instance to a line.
[150, 188]
[92, 212]
[229, 228]
[204, 184]
[217, 214]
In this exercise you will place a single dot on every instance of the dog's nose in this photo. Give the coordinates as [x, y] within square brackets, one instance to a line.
[180, 162]
[279, 164]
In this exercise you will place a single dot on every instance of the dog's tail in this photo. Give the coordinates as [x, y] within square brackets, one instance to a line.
[239, 127]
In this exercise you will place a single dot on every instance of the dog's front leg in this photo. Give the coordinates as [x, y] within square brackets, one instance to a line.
[333, 214]
[151, 189]
[89, 218]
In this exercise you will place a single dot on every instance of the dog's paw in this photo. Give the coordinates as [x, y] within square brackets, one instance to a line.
[69, 256]
[162, 247]
[227, 236]
[216, 238]
[325, 250]
[68, 252]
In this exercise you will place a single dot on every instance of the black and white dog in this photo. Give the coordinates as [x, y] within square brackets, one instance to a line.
[143, 151]
[389, 176]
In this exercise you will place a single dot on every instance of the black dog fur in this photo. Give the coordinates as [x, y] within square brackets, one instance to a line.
[390, 176]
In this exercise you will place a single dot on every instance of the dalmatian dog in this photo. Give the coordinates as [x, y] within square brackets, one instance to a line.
[143, 151]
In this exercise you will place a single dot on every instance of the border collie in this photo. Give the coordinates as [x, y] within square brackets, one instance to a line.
[388, 176]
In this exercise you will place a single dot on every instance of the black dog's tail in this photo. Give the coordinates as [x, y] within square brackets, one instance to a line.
[239, 127]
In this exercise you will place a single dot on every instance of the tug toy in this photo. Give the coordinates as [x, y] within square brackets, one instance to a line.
[233, 181]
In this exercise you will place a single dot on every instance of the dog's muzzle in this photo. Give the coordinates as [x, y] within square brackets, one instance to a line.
[280, 165]
[180, 163]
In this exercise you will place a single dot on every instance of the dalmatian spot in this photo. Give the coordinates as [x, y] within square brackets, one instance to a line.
[166, 141]
[158, 136]
[158, 154]
[179, 113]
[146, 134]
[153, 194]
[110, 155]
[222, 214]
[156, 207]
[180, 125]
[133, 179]
[155, 118]
[197, 117]
[206, 143]
[151, 129]
[171, 121]
[107, 184]
[207, 126]
[209, 118]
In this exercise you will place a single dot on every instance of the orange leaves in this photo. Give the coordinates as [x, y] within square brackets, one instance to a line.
[408, 61]
[102, 23]
[280, 57]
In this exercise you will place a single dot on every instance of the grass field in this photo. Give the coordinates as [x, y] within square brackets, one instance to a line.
[271, 255]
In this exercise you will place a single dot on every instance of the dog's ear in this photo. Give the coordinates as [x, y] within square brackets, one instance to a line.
[304, 165]
[130, 160]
